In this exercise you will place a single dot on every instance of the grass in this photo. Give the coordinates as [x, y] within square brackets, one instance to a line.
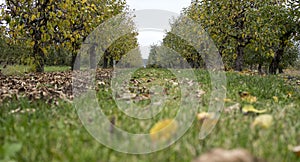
[21, 69]
[56, 68]
[55, 133]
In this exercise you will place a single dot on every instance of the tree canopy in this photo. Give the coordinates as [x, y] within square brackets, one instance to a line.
[44, 24]
[246, 33]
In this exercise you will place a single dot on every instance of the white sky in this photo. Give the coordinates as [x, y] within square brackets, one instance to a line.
[149, 37]
[159, 20]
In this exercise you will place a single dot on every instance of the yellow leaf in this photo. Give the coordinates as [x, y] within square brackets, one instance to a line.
[163, 130]
[227, 100]
[44, 50]
[72, 39]
[245, 96]
[275, 98]
[250, 99]
[263, 121]
[250, 109]
[33, 17]
[204, 115]
[272, 53]
[32, 43]
[258, 19]
[59, 13]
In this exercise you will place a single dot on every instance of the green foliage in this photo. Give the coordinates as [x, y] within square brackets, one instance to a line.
[44, 24]
[153, 60]
[132, 59]
[124, 50]
[228, 24]
[290, 56]
[109, 42]
[167, 57]
[13, 53]
[246, 30]
[183, 48]
[58, 57]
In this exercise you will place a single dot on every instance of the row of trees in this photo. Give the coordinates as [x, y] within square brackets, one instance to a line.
[36, 30]
[246, 33]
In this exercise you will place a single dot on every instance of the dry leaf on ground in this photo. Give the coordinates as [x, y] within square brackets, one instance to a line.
[163, 130]
[222, 155]
[263, 121]
[296, 150]
[250, 109]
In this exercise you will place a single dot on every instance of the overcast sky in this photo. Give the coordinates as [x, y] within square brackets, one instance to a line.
[155, 35]
[149, 37]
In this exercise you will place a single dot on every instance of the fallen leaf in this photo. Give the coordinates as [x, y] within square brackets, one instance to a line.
[101, 83]
[250, 99]
[263, 121]
[15, 111]
[227, 100]
[250, 109]
[275, 98]
[163, 130]
[245, 96]
[200, 93]
[204, 115]
[232, 108]
[222, 155]
[296, 150]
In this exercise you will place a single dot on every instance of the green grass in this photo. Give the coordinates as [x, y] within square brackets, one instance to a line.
[56, 68]
[15, 69]
[21, 69]
[55, 133]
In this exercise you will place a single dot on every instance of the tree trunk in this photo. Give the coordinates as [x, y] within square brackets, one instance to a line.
[259, 69]
[111, 62]
[280, 69]
[75, 65]
[40, 65]
[39, 59]
[274, 66]
[105, 62]
[182, 64]
[105, 59]
[240, 59]
[93, 61]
